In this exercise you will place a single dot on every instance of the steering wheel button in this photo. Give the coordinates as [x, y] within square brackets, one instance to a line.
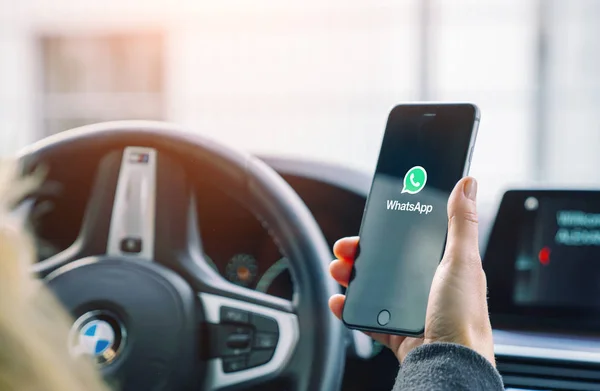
[228, 340]
[265, 340]
[259, 357]
[234, 364]
[131, 245]
[232, 315]
[238, 341]
[265, 324]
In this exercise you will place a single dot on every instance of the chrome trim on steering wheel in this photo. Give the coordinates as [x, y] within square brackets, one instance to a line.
[132, 222]
[289, 335]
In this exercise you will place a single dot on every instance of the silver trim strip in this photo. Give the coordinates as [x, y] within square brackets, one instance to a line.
[529, 345]
[133, 214]
[289, 335]
[546, 354]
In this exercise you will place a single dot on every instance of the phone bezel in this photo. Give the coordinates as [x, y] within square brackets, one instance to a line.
[467, 167]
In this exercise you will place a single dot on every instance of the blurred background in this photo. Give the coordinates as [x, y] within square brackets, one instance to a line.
[315, 79]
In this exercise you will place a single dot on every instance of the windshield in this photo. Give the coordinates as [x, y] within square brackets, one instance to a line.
[315, 80]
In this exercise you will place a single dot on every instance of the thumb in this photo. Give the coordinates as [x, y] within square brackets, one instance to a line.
[457, 310]
[462, 217]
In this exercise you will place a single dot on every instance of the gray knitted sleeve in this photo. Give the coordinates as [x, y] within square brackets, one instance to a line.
[446, 366]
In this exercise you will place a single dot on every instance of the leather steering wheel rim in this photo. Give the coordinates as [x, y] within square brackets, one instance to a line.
[318, 359]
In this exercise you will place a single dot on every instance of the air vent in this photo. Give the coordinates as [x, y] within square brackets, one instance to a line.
[530, 360]
[548, 374]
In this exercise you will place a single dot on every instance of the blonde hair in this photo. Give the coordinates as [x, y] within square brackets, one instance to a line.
[33, 325]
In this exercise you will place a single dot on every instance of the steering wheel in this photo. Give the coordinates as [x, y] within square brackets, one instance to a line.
[148, 308]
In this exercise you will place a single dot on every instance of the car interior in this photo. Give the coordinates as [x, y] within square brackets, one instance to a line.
[202, 159]
[253, 317]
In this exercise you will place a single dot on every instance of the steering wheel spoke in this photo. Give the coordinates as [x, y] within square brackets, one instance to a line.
[132, 222]
[249, 343]
[119, 218]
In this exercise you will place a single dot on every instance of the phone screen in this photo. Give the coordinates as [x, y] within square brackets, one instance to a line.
[425, 151]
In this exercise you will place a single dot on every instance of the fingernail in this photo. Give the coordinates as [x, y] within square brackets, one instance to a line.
[470, 189]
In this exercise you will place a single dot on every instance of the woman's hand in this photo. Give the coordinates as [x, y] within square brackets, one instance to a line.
[457, 311]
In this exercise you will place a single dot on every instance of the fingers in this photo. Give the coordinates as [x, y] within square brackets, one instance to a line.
[345, 248]
[336, 305]
[340, 270]
[462, 217]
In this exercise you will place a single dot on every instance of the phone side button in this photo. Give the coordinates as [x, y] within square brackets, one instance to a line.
[383, 318]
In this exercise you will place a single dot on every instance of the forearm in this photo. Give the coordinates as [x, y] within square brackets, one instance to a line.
[445, 366]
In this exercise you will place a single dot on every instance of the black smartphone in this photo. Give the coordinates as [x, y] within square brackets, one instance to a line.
[426, 149]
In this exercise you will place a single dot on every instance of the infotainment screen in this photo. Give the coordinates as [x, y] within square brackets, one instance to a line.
[543, 261]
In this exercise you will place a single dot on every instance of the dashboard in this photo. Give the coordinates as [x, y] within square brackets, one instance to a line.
[244, 251]
[240, 247]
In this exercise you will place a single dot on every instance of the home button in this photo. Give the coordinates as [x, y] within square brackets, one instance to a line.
[383, 318]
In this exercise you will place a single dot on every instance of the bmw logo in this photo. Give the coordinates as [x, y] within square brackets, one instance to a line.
[98, 335]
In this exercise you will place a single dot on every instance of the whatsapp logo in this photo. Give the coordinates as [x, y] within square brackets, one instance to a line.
[414, 180]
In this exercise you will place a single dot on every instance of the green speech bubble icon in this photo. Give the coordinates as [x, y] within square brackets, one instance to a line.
[414, 180]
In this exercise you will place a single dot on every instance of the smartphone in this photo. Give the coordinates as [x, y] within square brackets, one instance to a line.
[426, 149]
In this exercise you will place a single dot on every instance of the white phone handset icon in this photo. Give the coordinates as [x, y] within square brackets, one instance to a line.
[414, 180]
[411, 178]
